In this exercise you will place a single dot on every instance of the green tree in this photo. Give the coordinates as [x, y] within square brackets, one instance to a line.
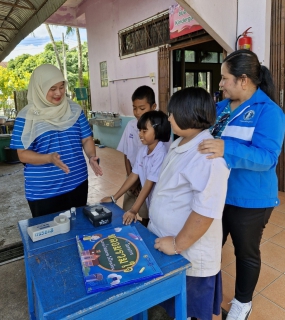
[10, 81]
[18, 61]
[23, 65]
[31, 63]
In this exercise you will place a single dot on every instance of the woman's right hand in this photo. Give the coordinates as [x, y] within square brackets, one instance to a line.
[214, 146]
[55, 159]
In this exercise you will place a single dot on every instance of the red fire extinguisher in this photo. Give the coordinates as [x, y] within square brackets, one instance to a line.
[244, 41]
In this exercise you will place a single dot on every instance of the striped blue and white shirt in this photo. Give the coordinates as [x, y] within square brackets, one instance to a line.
[47, 180]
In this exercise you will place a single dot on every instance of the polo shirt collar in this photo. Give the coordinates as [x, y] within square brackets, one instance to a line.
[205, 134]
[134, 125]
[157, 147]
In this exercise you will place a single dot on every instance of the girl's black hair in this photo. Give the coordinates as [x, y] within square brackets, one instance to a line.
[144, 92]
[245, 62]
[159, 122]
[192, 108]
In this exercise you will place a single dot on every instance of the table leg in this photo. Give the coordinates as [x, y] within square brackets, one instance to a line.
[31, 307]
[181, 301]
[141, 316]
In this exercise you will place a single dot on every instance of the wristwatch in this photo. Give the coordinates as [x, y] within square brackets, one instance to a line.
[112, 197]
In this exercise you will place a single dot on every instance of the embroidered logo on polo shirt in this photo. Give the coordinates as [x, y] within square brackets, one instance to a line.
[249, 115]
[131, 136]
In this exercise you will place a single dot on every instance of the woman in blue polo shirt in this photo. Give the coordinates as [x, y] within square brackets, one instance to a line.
[49, 135]
[249, 133]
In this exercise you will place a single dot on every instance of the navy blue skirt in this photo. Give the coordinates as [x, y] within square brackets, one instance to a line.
[204, 297]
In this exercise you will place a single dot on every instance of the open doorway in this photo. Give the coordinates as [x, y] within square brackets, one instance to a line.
[198, 65]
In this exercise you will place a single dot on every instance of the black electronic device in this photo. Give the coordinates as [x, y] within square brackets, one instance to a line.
[97, 214]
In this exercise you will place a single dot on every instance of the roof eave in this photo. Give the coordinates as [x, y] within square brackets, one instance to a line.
[43, 13]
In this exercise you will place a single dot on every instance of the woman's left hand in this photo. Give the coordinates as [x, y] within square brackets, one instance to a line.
[95, 166]
[214, 146]
[106, 199]
[165, 245]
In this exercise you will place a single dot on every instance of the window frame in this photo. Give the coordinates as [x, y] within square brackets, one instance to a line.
[145, 27]
[103, 74]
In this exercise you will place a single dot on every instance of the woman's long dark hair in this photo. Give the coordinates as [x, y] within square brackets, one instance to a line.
[246, 62]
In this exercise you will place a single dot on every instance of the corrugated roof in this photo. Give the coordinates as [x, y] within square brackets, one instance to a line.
[18, 18]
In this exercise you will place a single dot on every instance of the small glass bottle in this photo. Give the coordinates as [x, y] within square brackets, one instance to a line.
[73, 213]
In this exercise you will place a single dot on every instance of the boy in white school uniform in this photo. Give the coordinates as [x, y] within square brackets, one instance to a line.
[143, 100]
[188, 201]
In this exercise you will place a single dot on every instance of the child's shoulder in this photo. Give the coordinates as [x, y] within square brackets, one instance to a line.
[133, 123]
[160, 151]
[161, 147]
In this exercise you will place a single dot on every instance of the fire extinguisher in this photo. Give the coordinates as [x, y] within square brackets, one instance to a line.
[244, 41]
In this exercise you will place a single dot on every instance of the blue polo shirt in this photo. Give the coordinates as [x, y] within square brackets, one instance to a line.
[47, 180]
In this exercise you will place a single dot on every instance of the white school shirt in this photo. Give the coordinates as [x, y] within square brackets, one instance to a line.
[147, 166]
[130, 141]
[189, 182]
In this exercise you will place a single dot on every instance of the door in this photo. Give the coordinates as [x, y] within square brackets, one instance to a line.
[277, 68]
[163, 78]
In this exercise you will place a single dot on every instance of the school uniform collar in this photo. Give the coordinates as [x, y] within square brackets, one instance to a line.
[134, 124]
[205, 134]
[157, 147]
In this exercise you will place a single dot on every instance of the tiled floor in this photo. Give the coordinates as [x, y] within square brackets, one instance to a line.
[269, 296]
[114, 174]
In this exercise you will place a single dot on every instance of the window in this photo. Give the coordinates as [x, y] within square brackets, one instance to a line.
[145, 35]
[189, 56]
[178, 55]
[203, 56]
[209, 57]
[103, 74]
[198, 79]
[190, 79]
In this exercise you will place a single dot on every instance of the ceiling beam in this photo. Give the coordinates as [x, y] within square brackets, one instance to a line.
[4, 36]
[28, 25]
[9, 29]
[9, 21]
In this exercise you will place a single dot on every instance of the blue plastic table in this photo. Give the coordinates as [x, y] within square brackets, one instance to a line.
[55, 285]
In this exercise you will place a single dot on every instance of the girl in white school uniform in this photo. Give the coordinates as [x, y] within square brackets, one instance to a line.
[154, 129]
[188, 201]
